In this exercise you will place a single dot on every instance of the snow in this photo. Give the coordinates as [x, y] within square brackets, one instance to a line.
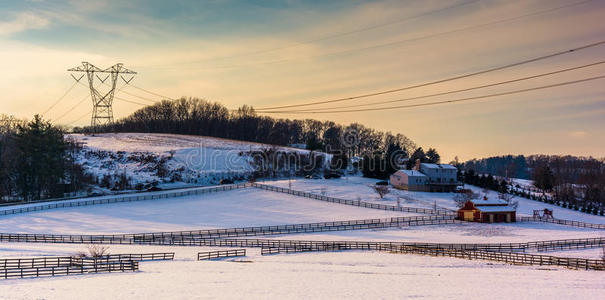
[330, 275]
[348, 274]
[236, 208]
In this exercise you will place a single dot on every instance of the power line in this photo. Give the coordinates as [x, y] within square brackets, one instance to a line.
[150, 92]
[73, 107]
[456, 91]
[131, 94]
[80, 118]
[399, 41]
[60, 98]
[130, 101]
[327, 37]
[453, 101]
[442, 80]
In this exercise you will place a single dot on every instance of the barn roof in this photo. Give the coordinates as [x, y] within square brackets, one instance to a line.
[506, 208]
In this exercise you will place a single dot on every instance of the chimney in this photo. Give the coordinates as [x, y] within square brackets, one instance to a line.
[417, 166]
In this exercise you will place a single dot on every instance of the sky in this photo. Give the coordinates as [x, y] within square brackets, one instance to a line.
[275, 53]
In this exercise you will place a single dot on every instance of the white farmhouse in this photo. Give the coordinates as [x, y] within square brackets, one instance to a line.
[410, 180]
[427, 177]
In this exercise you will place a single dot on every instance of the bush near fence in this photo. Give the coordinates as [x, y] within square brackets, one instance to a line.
[354, 202]
[220, 254]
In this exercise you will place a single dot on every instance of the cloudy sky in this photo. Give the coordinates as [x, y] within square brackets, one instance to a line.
[275, 53]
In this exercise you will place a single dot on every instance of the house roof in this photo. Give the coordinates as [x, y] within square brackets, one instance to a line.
[438, 166]
[412, 173]
[506, 208]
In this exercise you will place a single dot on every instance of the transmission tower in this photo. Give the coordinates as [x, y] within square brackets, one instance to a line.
[102, 111]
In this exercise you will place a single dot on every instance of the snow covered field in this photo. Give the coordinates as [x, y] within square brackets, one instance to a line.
[236, 208]
[354, 188]
[350, 275]
[346, 274]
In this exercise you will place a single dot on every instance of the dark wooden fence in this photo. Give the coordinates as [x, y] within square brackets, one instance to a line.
[125, 198]
[362, 245]
[122, 266]
[168, 237]
[220, 254]
[354, 202]
[508, 257]
[562, 222]
[56, 261]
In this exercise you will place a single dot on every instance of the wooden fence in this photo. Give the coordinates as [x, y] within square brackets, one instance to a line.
[56, 261]
[168, 237]
[562, 222]
[540, 246]
[220, 254]
[126, 198]
[508, 257]
[354, 202]
[122, 266]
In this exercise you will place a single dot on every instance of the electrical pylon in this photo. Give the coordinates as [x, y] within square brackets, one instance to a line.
[102, 110]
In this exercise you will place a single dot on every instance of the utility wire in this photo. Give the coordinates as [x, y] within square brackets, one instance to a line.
[523, 62]
[131, 94]
[80, 118]
[455, 91]
[73, 107]
[60, 98]
[454, 100]
[130, 101]
[150, 92]
[327, 37]
[396, 42]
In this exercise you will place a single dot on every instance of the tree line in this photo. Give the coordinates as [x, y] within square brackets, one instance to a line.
[36, 162]
[571, 180]
[195, 116]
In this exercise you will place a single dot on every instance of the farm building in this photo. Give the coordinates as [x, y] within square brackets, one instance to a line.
[427, 178]
[487, 211]
[410, 180]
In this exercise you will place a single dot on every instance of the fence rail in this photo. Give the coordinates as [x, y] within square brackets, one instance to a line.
[56, 261]
[167, 237]
[562, 222]
[508, 257]
[354, 202]
[127, 198]
[220, 254]
[122, 266]
[540, 246]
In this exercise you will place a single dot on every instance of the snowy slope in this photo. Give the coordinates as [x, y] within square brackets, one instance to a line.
[192, 160]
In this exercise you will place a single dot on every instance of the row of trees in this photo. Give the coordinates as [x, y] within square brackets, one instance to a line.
[573, 181]
[200, 117]
[36, 162]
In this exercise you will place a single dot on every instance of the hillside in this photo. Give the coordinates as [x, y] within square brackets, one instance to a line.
[172, 160]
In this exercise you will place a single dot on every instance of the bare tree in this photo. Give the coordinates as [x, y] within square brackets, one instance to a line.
[462, 198]
[508, 198]
[381, 190]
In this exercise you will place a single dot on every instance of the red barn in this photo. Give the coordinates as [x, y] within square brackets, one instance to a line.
[486, 211]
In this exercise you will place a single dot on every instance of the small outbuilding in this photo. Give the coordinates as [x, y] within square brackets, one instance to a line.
[486, 211]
